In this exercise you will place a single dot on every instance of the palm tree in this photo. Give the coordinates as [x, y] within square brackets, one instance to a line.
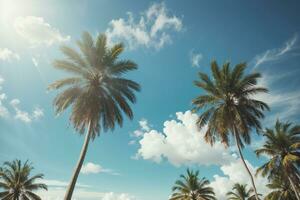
[96, 91]
[282, 145]
[229, 106]
[281, 189]
[16, 182]
[241, 193]
[189, 187]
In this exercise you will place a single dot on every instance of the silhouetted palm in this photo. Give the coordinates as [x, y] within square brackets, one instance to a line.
[16, 182]
[96, 92]
[229, 107]
[282, 145]
[280, 189]
[189, 187]
[240, 192]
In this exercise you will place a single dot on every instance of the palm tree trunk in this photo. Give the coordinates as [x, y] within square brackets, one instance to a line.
[294, 188]
[245, 164]
[72, 184]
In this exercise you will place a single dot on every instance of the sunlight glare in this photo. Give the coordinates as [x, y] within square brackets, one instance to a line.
[10, 9]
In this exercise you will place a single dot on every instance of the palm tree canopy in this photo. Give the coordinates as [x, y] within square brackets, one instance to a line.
[228, 103]
[16, 182]
[280, 189]
[190, 187]
[282, 145]
[96, 90]
[240, 192]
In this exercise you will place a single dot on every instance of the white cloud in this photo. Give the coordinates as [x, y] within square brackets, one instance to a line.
[37, 113]
[235, 172]
[38, 32]
[152, 30]
[24, 116]
[275, 54]
[59, 183]
[3, 110]
[284, 100]
[144, 125]
[35, 61]
[182, 143]
[114, 196]
[8, 55]
[195, 58]
[92, 168]
[57, 189]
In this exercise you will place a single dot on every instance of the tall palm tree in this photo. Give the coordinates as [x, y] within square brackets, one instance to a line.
[240, 192]
[96, 91]
[281, 189]
[190, 187]
[229, 106]
[16, 182]
[282, 145]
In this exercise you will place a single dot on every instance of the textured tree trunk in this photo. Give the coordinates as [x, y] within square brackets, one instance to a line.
[294, 187]
[72, 184]
[245, 164]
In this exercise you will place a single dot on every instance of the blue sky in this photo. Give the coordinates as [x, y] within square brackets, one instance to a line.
[171, 41]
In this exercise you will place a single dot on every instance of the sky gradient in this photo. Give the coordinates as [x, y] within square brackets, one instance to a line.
[170, 41]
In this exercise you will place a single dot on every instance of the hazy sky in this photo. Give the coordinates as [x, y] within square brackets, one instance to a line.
[171, 41]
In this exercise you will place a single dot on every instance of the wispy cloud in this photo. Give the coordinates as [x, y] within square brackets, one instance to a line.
[35, 61]
[24, 116]
[38, 32]
[276, 53]
[57, 189]
[195, 58]
[60, 183]
[282, 97]
[8, 55]
[3, 110]
[92, 168]
[152, 29]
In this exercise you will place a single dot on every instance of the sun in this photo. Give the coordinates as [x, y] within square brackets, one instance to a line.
[10, 9]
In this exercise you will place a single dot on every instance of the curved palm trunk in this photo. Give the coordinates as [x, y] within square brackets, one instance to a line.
[294, 188]
[245, 164]
[72, 184]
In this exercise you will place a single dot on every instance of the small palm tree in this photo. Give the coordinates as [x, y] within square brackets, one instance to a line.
[96, 91]
[189, 187]
[16, 182]
[229, 107]
[282, 146]
[281, 189]
[240, 192]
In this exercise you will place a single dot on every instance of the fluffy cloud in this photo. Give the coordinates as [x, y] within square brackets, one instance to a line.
[38, 32]
[23, 115]
[275, 54]
[235, 172]
[92, 168]
[195, 58]
[152, 29]
[181, 143]
[8, 55]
